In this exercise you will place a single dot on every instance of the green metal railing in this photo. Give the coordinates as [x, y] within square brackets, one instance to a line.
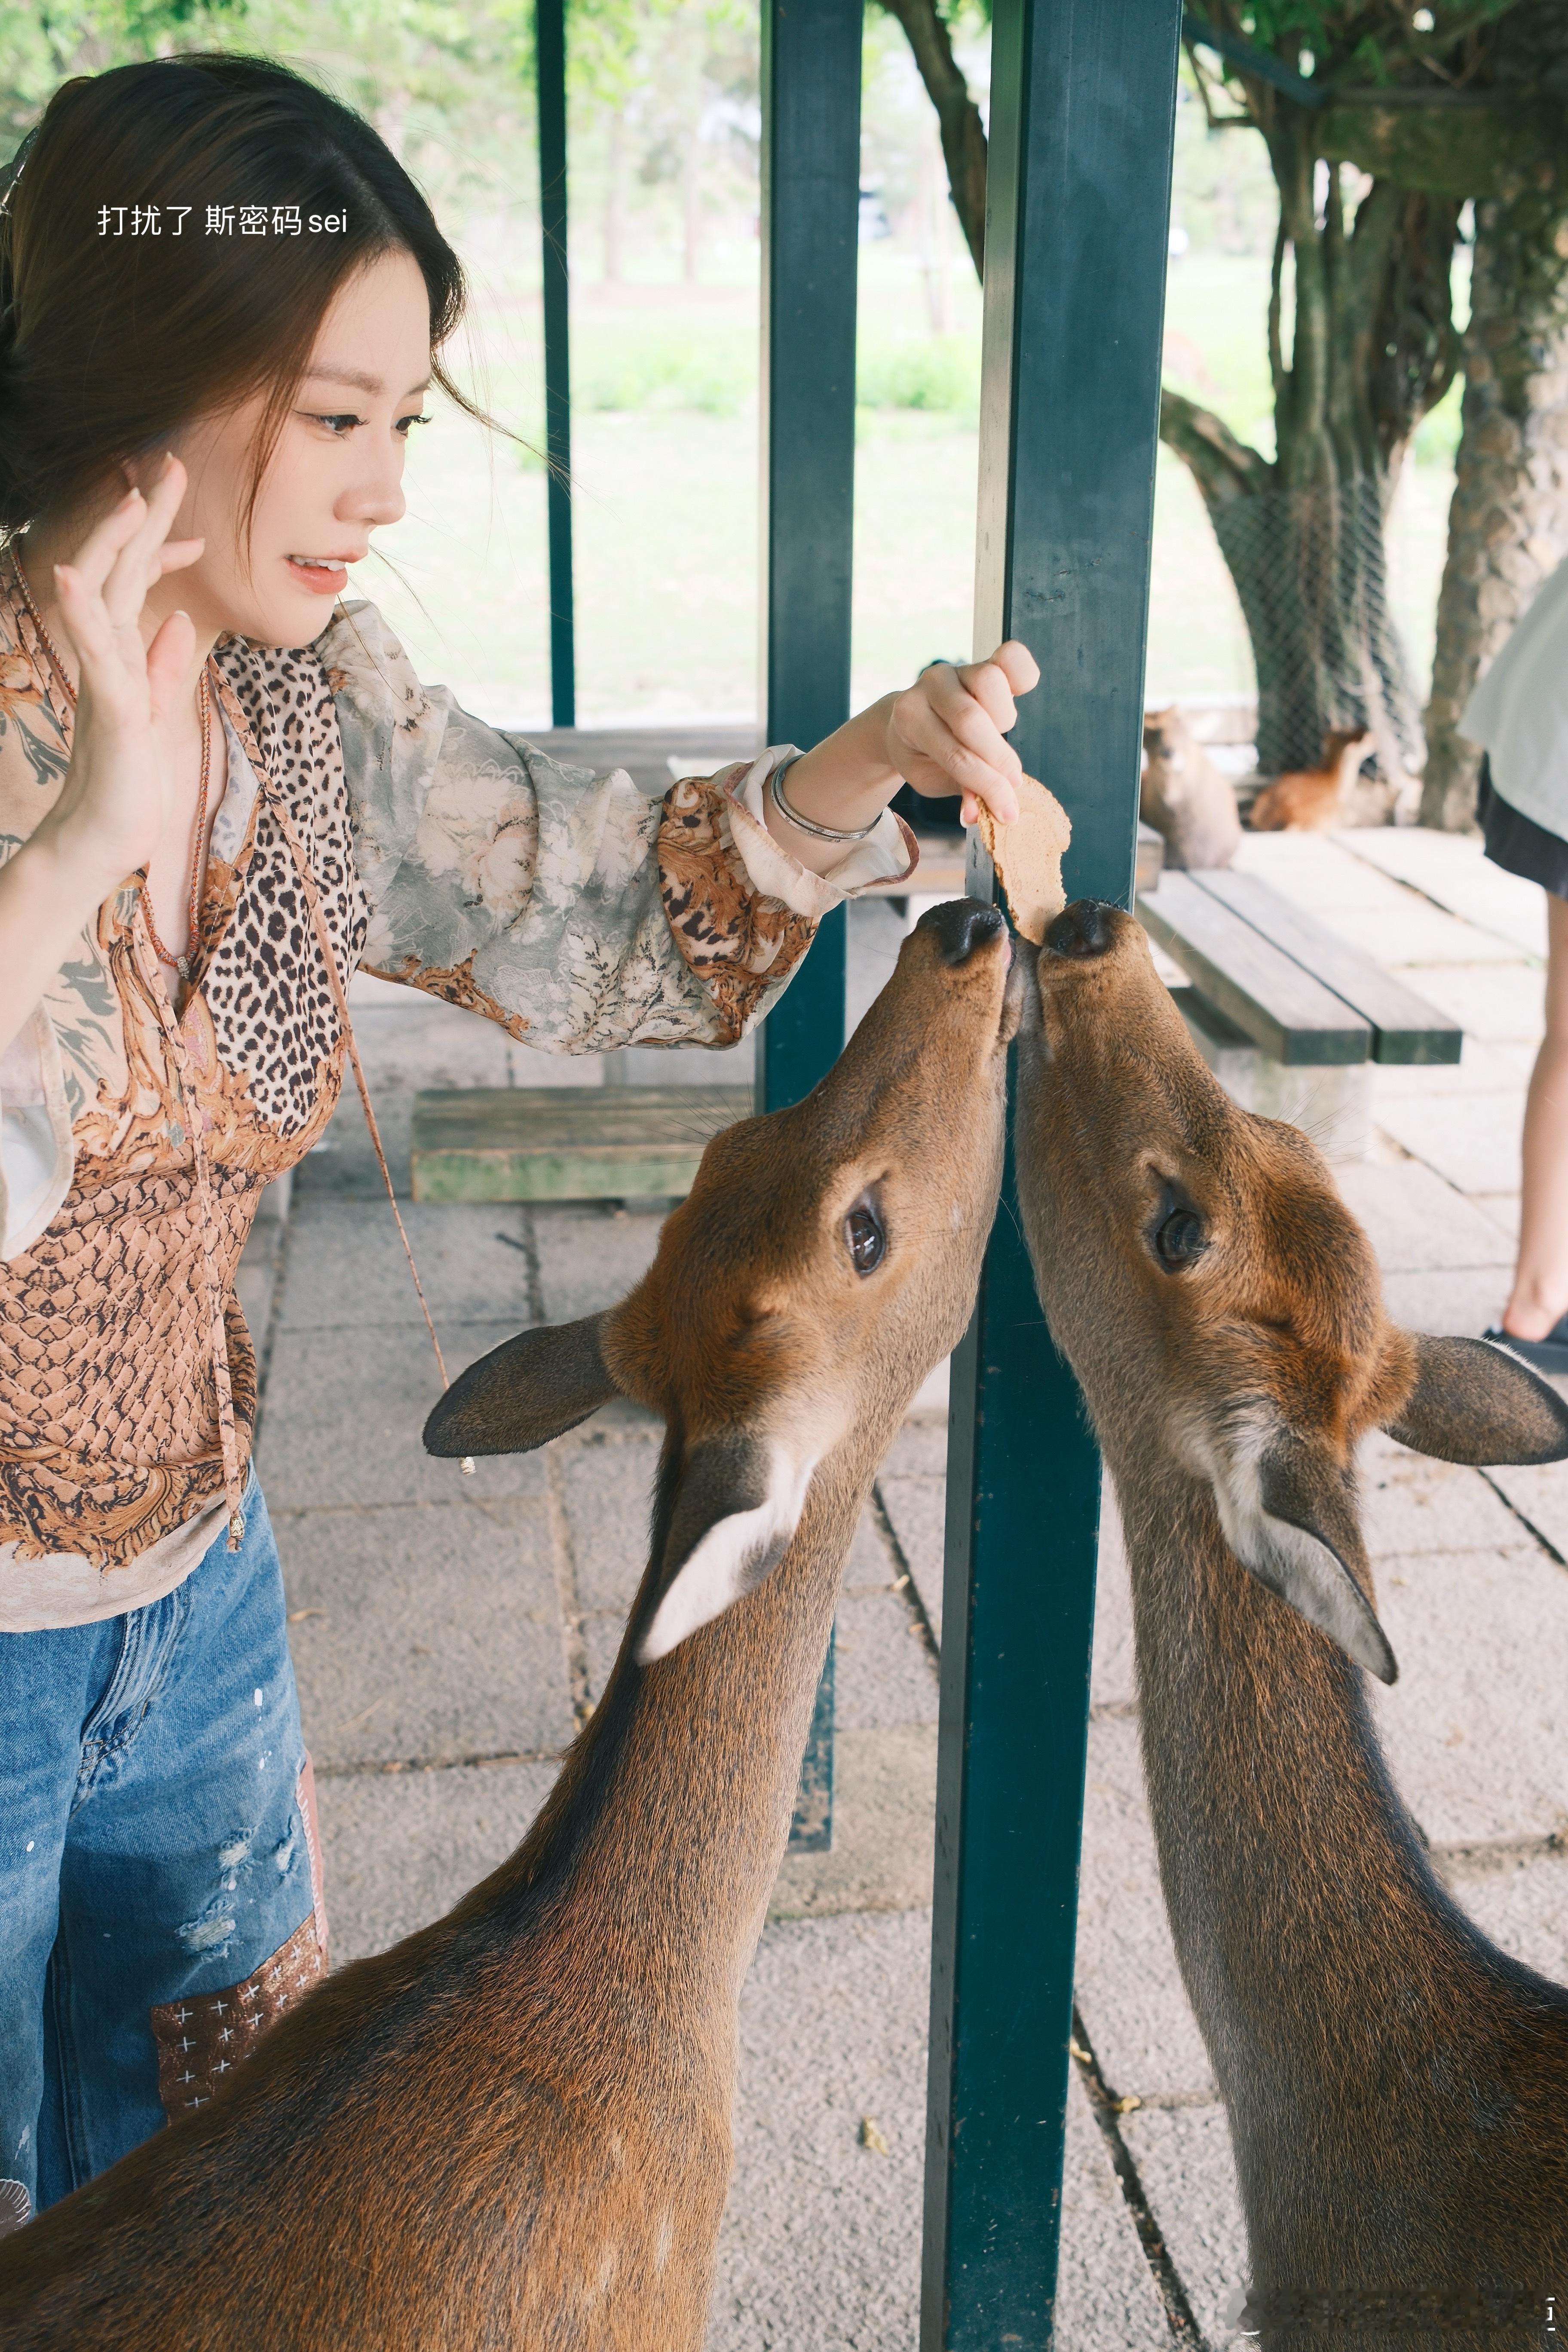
[1082, 111]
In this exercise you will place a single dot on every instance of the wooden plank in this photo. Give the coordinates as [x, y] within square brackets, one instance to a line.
[1404, 1028]
[565, 1143]
[1266, 993]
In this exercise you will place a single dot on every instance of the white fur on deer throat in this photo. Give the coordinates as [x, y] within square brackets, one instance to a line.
[1291, 1562]
[732, 1557]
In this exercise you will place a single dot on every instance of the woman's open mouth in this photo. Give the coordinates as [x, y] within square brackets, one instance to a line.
[323, 575]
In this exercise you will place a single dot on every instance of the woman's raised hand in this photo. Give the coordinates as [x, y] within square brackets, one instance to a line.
[944, 732]
[117, 796]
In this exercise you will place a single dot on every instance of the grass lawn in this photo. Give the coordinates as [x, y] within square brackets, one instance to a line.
[665, 504]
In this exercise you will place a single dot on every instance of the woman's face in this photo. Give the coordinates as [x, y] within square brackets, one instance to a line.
[336, 472]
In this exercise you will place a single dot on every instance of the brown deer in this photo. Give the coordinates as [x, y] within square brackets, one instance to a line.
[1311, 800]
[1184, 795]
[513, 2127]
[1397, 2087]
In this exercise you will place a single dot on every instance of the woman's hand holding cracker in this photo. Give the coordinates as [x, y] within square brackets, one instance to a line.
[945, 732]
[944, 735]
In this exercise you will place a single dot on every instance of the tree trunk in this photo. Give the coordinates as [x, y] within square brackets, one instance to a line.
[958, 117]
[1508, 525]
[1372, 349]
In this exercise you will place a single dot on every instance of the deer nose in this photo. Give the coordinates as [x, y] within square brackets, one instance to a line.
[1084, 928]
[961, 926]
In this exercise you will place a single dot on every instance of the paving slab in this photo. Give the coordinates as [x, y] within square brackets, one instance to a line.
[820, 2246]
[607, 1490]
[916, 1508]
[431, 1632]
[1113, 1673]
[819, 2250]
[1502, 1209]
[883, 1672]
[1454, 870]
[1414, 1220]
[343, 1420]
[1539, 1492]
[1128, 1984]
[1521, 1903]
[1106, 2297]
[884, 1828]
[347, 1269]
[1188, 2177]
[872, 1565]
[1410, 1503]
[1473, 1726]
[401, 1848]
[1500, 1000]
[1484, 1066]
[591, 1254]
[1314, 872]
[1471, 1140]
[1463, 1301]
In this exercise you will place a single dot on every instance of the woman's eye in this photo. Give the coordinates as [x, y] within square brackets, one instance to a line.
[865, 1237]
[405, 422]
[1180, 1239]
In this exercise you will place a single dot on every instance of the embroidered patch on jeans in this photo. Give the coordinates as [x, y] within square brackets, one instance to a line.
[16, 2206]
[201, 2039]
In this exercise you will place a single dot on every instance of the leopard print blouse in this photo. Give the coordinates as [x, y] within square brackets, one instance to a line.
[569, 906]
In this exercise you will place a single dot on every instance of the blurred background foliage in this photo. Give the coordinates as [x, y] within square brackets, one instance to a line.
[665, 131]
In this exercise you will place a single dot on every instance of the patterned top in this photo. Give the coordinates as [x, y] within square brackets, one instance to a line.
[572, 907]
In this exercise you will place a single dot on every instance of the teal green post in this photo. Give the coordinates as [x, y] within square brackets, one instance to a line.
[1082, 108]
[550, 70]
[811, 231]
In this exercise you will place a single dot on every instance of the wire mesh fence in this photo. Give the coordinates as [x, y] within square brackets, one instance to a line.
[1310, 570]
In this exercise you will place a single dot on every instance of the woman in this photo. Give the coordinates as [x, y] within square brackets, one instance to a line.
[211, 775]
[1519, 712]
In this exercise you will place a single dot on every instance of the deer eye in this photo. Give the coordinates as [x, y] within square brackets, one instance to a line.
[865, 1237]
[1179, 1239]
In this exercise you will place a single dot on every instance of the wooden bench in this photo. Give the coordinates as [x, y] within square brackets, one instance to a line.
[566, 1143]
[1289, 1015]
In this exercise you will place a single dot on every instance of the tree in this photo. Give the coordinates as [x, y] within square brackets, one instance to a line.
[1361, 340]
[1508, 525]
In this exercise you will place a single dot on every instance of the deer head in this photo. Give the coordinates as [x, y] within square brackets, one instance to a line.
[1219, 1303]
[824, 1262]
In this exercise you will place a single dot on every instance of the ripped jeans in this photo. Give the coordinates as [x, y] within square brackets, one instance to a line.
[160, 1880]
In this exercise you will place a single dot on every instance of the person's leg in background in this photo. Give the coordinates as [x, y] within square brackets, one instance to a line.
[189, 1903]
[1539, 1299]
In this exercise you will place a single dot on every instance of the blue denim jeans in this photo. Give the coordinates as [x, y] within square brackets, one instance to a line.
[158, 1856]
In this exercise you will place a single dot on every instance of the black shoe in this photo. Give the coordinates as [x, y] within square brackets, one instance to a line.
[1548, 1355]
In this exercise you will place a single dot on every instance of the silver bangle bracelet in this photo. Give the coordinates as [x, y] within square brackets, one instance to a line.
[823, 832]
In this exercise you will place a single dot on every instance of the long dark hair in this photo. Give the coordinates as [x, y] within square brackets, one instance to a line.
[109, 343]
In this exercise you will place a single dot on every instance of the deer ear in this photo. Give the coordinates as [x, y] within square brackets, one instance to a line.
[1290, 1518]
[738, 1501]
[524, 1392]
[1473, 1401]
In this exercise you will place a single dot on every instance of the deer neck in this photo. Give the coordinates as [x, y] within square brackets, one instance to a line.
[1297, 1888]
[662, 1837]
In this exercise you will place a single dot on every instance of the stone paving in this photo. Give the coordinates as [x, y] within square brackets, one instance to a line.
[449, 1634]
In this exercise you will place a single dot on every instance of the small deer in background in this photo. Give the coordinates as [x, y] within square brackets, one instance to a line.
[1397, 2087]
[1184, 795]
[513, 2127]
[1312, 800]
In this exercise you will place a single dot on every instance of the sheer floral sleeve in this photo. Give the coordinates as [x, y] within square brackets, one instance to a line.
[571, 907]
